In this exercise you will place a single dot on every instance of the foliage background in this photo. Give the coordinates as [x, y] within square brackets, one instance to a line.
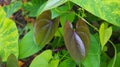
[102, 17]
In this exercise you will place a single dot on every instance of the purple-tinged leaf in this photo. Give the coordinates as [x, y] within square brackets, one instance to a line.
[45, 28]
[73, 43]
[83, 31]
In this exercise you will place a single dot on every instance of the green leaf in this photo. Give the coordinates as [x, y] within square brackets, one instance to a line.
[41, 6]
[74, 43]
[53, 3]
[117, 62]
[8, 37]
[27, 46]
[61, 10]
[105, 33]
[67, 63]
[45, 28]
[50, 4]
[33, 6]
[54, 63]
[108, 10]
[65, 17]
[12, 61]
[93, 58]
[0, 62]
[42, 59]
[12, 8]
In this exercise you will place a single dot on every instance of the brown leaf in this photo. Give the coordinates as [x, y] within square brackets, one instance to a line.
[83, 31]
[45, 28]
[73, 43]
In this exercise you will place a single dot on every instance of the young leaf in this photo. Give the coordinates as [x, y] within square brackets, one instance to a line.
[45, 28]
[42, 59]
[105, 33]
[83, 31]
[8, 37]
[12, 61]
[74, 43]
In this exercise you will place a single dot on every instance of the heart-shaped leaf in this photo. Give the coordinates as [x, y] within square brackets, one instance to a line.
[77, 41]
[105, 33]
[73, 43]
[83, 31]
[45, 28]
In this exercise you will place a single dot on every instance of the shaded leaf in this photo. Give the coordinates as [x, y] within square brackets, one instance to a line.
[108, 10]
[0, 62]
[41, 6]
[67, 63]
[74, 43]
[45, 28]
[33, 6]
[83, 31]
[12, 8]
[117, 62]
[67, 16]
[42, 59]
[27, 46]
[12, 61]
[105, 33]
[8, 37]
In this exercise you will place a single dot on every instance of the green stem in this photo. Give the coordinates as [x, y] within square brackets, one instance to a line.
[98, 31]
[87, 22]
[64, 56]
[79, 65]
[114, 60]
[69, 6]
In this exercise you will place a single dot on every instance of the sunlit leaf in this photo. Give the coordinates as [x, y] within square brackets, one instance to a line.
[74, 43]
[105, 33]
[12, 61]
[54, 63]
[42, 59]
[45, 28]
[8, 37]
[108, 10]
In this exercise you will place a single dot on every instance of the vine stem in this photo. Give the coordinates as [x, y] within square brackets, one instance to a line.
[114, 60]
